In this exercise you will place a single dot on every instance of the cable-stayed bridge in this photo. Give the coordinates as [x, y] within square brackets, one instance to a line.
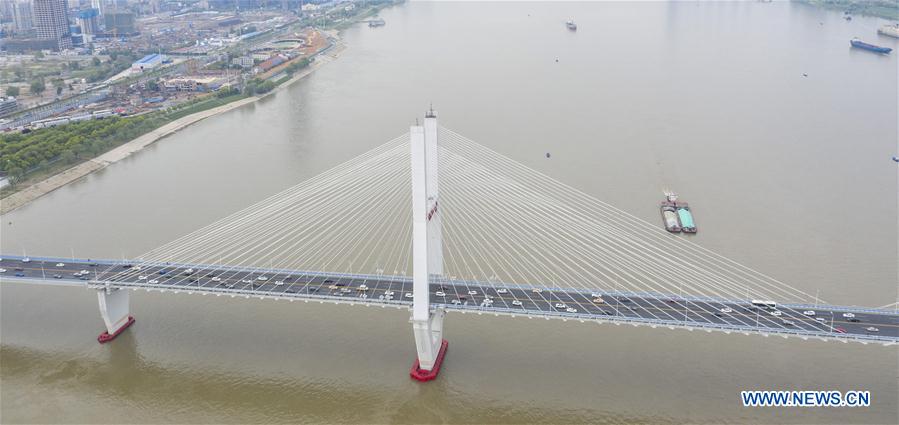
[434, 222]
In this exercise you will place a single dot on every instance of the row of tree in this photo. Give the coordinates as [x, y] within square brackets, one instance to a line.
[22, 153]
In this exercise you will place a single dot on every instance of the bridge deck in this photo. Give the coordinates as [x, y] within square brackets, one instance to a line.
[828, 322]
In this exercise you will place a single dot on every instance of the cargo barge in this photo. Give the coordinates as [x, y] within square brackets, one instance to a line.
[676, 215]
[869, 47]
[668, 208]
[686, 217]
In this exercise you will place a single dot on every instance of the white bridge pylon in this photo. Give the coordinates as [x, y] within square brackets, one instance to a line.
[427, 248]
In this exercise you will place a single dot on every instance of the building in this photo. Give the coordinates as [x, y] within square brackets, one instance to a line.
[98, 4]
[119, 22]
[22, 16]
[272, 62]
[51, 19]
[243, 61]
[148, 62]
[192, 84]
[8, 105]
[87, 20]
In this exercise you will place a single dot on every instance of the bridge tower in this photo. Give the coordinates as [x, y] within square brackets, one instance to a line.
[115, 310]
[427, 250]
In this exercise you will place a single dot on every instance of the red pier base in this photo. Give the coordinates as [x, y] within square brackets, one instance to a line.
[426, 375]
[106, 337]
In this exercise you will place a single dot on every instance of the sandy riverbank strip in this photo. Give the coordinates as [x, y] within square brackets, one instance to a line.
[69, 175]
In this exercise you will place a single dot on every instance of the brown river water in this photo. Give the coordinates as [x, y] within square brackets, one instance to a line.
[786, 173]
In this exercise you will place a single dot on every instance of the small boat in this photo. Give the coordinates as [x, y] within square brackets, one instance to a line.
[869, 47]
[571, 25]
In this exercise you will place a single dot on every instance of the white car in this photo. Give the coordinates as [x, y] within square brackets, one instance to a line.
[456, 301]
[408, 295]
[136, 268]
[2, 270]
[440, 294]
[141, 277]
[153, 281]
[189, 271]
[848, 315]
[872, 329]
[571, 310]
[788, 322]
[363, 287]
[472, 292]
[727, 310]
[345, 290]
[536, 290]
[26, 260]
[776, 313]
[560, 305]
[388, 293]
[216, 279]
[821, 319]
[516, 303]
[246, 281]
[808, 313]
[279, 282]
[502, 291]
[596, 295]
[60, 265]
[262, 278]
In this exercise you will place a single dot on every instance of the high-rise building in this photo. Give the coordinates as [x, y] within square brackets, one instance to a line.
[51, 19]
[87, 20]
[98, 4]
[22, 16]
[119, 22]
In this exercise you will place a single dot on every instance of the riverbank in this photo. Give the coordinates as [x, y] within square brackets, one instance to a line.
[74, 173]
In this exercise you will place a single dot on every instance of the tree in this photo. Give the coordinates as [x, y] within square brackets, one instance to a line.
[12, 91]
[38, 54]
[37, 86]
[96, 61]
[74, 65]
[58, 90]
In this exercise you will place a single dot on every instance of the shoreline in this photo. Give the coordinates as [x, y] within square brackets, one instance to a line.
[76, 172]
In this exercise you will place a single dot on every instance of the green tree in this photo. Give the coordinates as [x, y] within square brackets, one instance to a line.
[38, 54]
[12, 91]
[96, 61]
[37, 86]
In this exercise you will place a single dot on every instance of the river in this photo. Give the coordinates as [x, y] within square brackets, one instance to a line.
[759, 114]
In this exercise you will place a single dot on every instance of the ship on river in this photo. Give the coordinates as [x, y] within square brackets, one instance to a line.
[870, 47]
[676, 215]
[889, 30]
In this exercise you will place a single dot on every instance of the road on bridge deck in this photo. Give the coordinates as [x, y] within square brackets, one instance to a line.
[466, 296]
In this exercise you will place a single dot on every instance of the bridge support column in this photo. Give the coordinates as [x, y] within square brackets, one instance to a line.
[114, 308]
[427, 251]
